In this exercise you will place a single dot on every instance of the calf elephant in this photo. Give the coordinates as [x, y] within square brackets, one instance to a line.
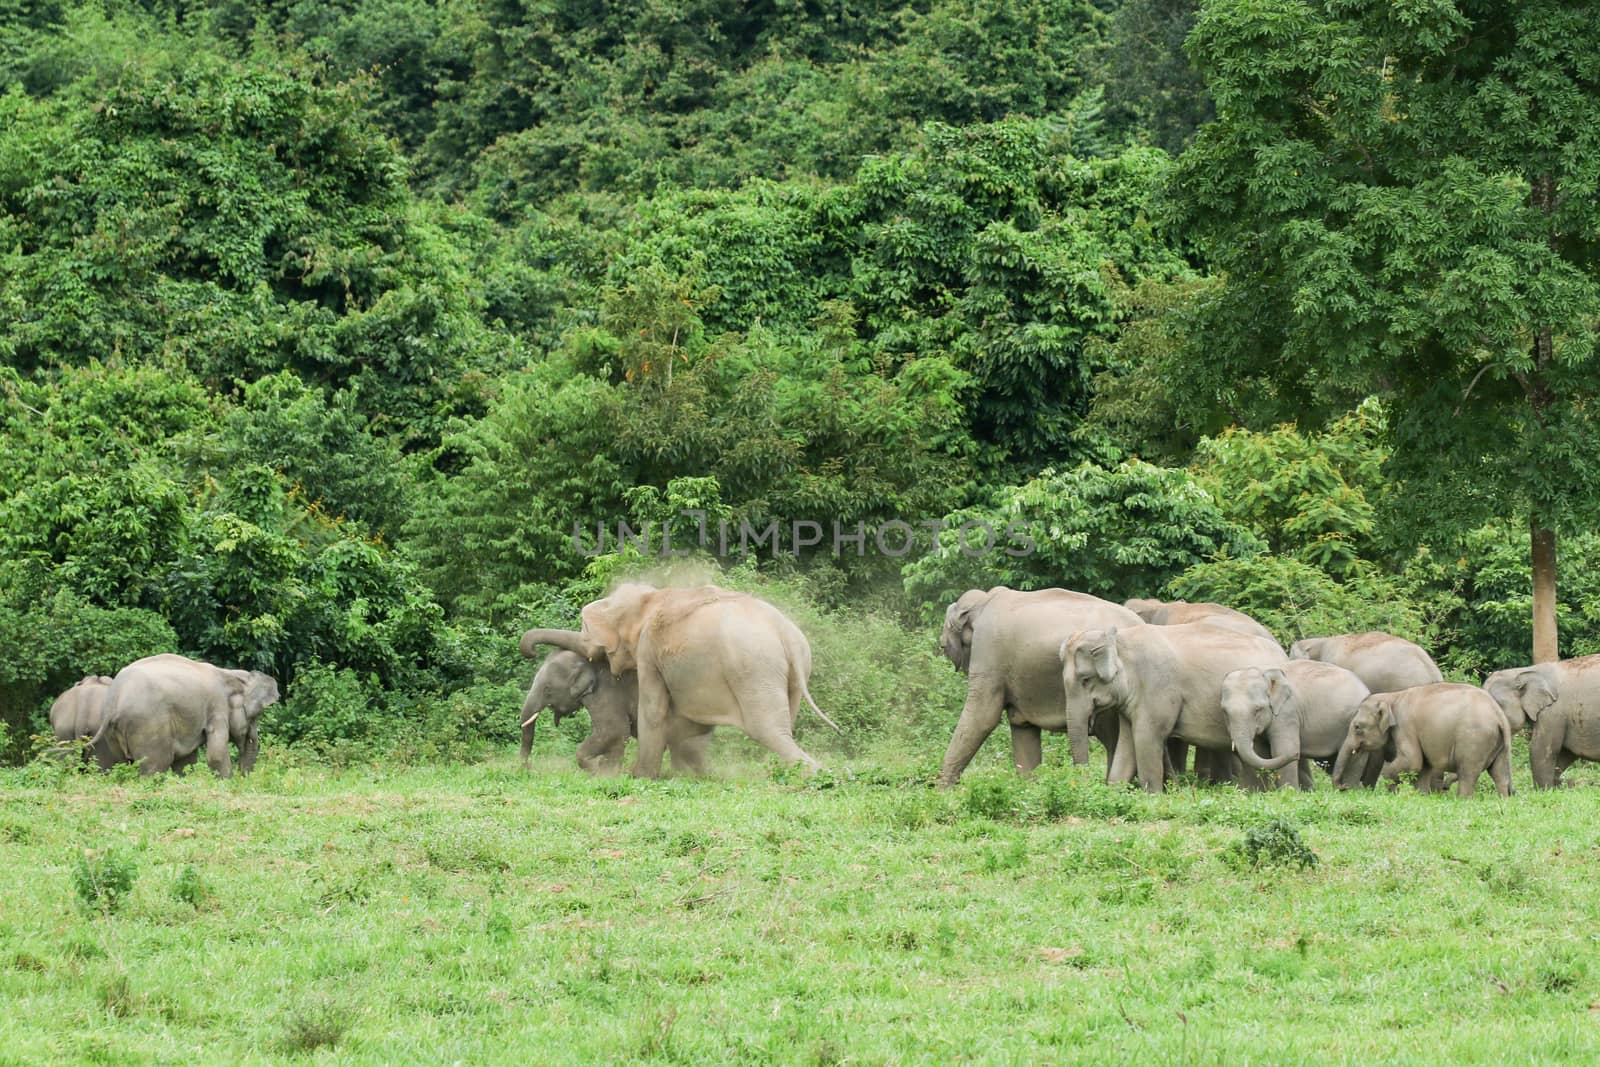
[76, 714]
[711, 656]
[159, 711]
[1164, 681]
[1561, 701]
[1005, 641]
[1177, 612]
[1302, 708]
[1386, 663]
[566, 682]
[1429, 730]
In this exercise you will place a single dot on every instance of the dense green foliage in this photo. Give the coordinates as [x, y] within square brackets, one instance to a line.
[325, 327]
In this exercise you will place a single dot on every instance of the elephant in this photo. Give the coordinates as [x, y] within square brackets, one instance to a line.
[1302, 708]
[1004, 641]
[1164, 681]
[1428, 730]
[76, 714]
[1561, 702]
[566, 682]
[161, 709]
[1176, 612]
[708, 655]
[1385, 662]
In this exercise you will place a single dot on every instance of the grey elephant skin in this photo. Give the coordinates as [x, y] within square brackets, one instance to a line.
[1428, 730]
[566, 682]
[1005, 641]
[1301, 709]
[76, 714]
[707, 656]
[161, 709]
[1164, 681]
[1178, 612]
[1385, 662]
[1560, 704]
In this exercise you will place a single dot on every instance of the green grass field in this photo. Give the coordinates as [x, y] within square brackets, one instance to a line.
[474, 914]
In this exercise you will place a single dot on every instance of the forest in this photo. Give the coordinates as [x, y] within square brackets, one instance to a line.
[326, 327]
[366, 347]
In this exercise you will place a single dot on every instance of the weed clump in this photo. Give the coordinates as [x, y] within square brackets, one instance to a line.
[1272, 844]
[312, 1027]
[103, 879]
[991, 798]
[188, 888]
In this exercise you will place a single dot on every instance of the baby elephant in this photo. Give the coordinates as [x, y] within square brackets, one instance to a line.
[1301, 708]
[76, 714]
[1428, 730]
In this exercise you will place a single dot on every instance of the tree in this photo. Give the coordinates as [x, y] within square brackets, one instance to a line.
[1401, 200]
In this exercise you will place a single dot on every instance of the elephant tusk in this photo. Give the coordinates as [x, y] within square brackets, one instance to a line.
[532, 717]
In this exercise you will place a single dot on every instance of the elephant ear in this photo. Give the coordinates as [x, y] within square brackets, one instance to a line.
[607, 629]
[1103, 658]
[1536, 694]
[1280, 694]
[1385, 721]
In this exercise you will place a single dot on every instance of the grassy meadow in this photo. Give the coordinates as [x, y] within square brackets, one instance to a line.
[477, 914]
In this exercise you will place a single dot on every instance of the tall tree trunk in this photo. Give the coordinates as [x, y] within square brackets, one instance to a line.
[1544, 593]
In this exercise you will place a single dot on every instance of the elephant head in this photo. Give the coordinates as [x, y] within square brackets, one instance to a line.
[611, 626]
[1252, 699]
[1372, 730]
[1144, 607]
[1523, 694]
[1305, 648]
[1093, 680]
[249, 694]
[955, 640]
[564, 682]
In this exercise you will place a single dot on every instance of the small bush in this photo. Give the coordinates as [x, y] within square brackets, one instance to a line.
[1272, 844]
[992, 798]
[103, 879]
[189, 888]
[314, 1026]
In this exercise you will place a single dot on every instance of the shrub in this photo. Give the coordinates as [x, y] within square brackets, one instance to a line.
[1272, 844]
[103, 879]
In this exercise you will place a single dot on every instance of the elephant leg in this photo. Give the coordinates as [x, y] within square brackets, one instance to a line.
[1564, 759]
[689, 752]
[1467, 780]
[1177, 755]
[1308, 780]
[1500, 772]
[654, 705]
[1371, 768]
[1027, 748]
[248, 750]
[1149, 754]
[1123, 763]
[601, 751]
[182, 764]
[218, 758]
[1544, 754]
[155, 763]
[979, 716]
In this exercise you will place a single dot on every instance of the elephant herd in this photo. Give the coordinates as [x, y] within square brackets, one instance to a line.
[1149, 679]
[160, 711]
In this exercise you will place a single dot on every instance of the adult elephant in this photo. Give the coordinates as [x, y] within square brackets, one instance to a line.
[1178, 612]
[1386, 663]
[711, 656]
[1004, 641]
[1164, 681]
[76, 714]
[566, 682]
[1428, 730]
[1301, 709]
[159, 711]
[1561, 701]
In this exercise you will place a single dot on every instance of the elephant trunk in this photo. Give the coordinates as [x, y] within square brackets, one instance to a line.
[1078, 735]
[1244, 746]
[571, 640]
[1342, 765]
[530, 718]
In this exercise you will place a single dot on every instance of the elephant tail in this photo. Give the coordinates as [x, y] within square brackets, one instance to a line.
[805, 691]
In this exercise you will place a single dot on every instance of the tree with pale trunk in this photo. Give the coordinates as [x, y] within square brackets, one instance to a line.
[1401, 198]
